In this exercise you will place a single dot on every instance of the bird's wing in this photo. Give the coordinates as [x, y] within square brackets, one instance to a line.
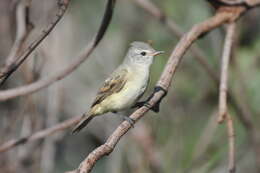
[112, 85]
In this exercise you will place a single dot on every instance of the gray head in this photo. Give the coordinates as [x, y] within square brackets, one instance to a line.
[141, 53]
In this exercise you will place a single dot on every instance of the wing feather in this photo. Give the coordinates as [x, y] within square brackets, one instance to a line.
[112, 85]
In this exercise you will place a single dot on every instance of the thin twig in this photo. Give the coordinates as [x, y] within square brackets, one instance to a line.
[69, 123]
[24, 27]
[231, 144]
[223, 110]
[83, 55]
[40, 135]
[17, 61]
[164, 82]
[224, 71]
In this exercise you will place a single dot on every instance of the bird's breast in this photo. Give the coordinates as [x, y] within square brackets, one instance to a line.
[135, 86]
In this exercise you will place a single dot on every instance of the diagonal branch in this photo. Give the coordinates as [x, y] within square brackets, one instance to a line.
[158, 14]
[14, 63]
[83, 55]
[40, 135]
[164, 82]
[240, 108]
[23, 29]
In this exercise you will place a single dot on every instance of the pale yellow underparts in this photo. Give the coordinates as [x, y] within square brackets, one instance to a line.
[137, 81]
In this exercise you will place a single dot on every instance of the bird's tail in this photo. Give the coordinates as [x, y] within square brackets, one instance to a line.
[86, 118]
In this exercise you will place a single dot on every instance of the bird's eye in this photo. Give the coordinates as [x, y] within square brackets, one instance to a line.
[143, 53]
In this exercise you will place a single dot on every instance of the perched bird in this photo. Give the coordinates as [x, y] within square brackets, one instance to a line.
[125, 86]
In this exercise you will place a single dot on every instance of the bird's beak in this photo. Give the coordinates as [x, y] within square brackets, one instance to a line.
[157, 53]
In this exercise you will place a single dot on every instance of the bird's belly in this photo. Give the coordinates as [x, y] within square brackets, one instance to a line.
[128, 95]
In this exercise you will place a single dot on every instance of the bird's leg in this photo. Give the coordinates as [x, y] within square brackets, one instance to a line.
[146, 104]
[126, 118]
[156, 107]
[138, 104]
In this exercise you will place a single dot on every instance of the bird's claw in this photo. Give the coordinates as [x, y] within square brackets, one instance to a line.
[155, 108]
[138, 104]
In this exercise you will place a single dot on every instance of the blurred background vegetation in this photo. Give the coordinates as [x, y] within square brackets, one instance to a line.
[184, 137]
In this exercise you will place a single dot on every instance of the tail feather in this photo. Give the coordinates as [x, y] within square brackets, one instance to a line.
[86, 118]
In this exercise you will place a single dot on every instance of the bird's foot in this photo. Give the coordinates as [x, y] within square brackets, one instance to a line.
[156, 107]
[130, 121]
[138, 104]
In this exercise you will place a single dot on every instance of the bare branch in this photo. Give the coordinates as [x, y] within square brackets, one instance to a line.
[83, 55]
[198, 54]
[186, 42]
[246, 3]
[224, 71]
[40, 135]
[241, 110]
[164, 82]
[223, 86]
[231, 144]
[24, 28]
[15, 62]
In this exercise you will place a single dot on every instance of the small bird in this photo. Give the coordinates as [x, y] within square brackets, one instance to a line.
[125, 86]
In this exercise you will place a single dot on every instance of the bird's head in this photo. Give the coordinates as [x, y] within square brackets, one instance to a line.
[141, 53]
